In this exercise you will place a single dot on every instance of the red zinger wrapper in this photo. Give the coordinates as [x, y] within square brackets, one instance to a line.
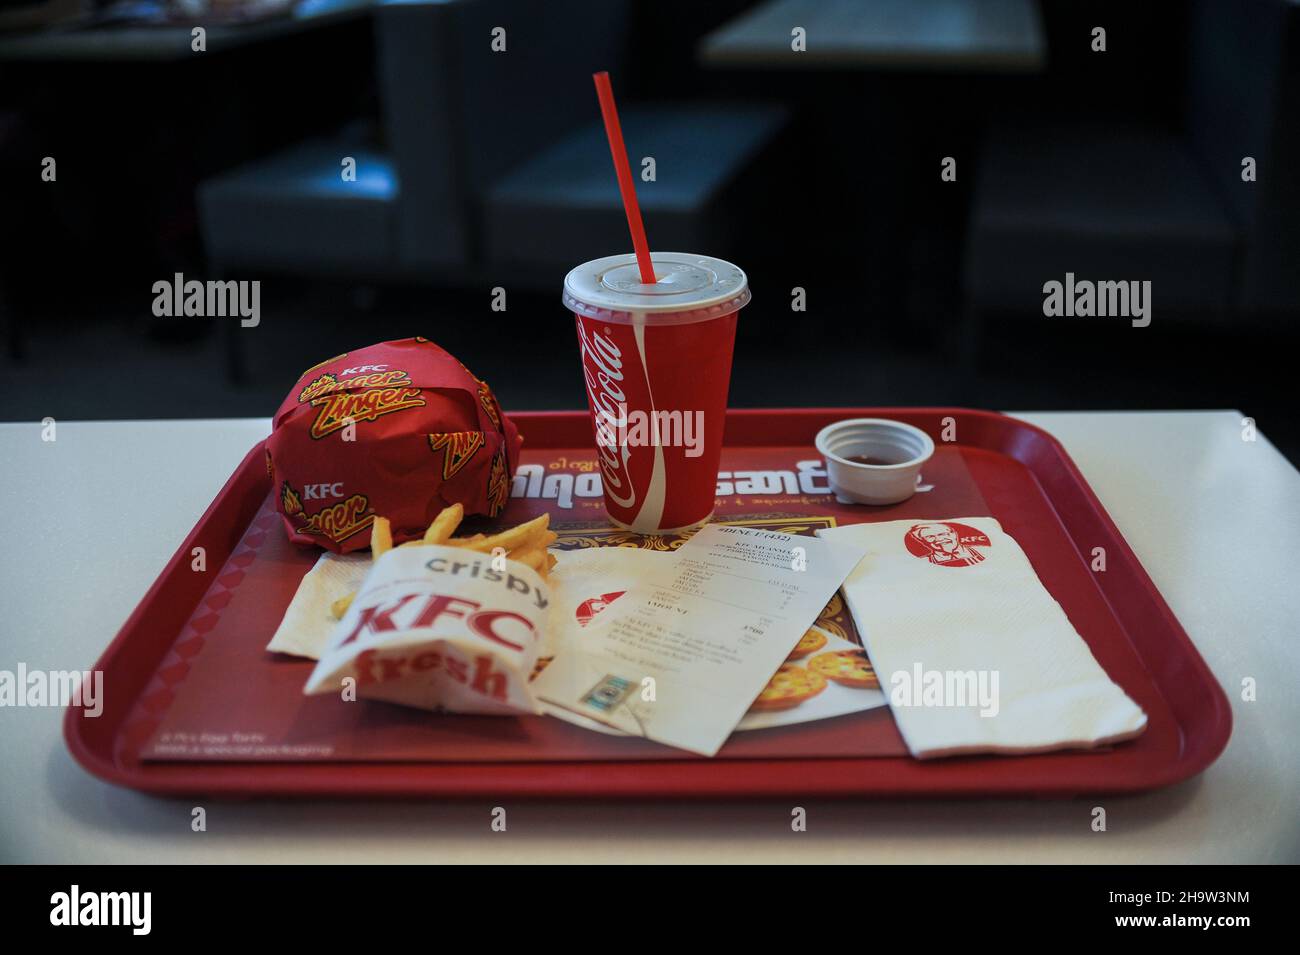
[400, 430]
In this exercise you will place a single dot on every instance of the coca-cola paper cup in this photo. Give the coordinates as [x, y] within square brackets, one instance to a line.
[657, 363]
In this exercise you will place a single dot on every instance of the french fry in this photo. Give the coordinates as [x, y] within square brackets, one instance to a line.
[381, 542]
[532, 557]
[340, 606]
[445, 524]
[514, 537]
[550, 561]
[464, 541]
[381, 538]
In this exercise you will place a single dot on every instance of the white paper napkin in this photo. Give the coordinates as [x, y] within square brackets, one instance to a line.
[973, 652]
[307, 624]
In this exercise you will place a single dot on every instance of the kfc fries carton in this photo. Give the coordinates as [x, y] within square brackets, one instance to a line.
[402, 429]
[441, 628]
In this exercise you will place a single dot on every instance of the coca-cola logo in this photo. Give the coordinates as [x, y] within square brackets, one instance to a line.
[602, 362]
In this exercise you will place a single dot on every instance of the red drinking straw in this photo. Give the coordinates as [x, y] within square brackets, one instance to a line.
[626, 185]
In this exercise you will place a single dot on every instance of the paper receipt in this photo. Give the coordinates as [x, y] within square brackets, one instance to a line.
[679, 658]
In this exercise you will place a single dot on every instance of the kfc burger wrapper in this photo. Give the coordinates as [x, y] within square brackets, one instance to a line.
[440, 628]
[400, 430]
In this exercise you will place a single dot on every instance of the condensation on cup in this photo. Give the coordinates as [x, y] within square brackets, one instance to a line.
[657, 362]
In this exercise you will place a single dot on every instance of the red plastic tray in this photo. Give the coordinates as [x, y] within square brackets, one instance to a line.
[1019, 473]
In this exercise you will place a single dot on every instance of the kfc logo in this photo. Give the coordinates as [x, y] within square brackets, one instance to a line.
[946, 544]
[383, 618]
[594, 605]
[318, 492]
[362, 369]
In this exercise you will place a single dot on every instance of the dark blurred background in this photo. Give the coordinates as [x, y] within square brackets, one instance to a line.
[480, 168]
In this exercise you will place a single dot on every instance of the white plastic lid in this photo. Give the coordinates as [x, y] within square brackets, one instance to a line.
[690, 288]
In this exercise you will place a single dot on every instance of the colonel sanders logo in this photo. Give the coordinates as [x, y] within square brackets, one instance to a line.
[946, 544]
[589, 608]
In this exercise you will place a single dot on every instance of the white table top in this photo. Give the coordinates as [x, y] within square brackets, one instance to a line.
[96, 514]
[999, 36]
